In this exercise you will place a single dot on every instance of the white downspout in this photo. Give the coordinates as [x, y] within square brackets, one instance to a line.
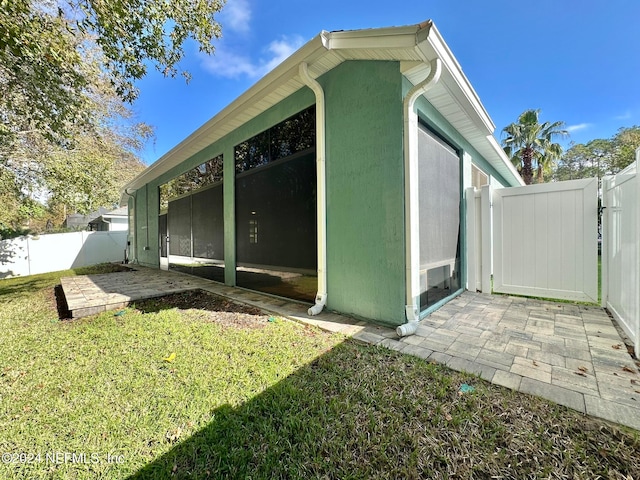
[412, 226]
[133, 234]
[321, 297]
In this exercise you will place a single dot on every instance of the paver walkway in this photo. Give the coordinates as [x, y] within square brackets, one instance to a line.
[570, 354]
[93, 294]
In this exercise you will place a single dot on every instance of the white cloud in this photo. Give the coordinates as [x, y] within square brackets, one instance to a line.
[232, 58]
[236, 15]
[228, 64]
[281, 50]
[624, 116]
[578, 127]
[231, 63]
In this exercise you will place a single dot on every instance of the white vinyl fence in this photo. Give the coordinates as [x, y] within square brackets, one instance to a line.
[540, 240]
[621, 250]
[545, 240]
[536, 240]
[479, 230]
[49, 253]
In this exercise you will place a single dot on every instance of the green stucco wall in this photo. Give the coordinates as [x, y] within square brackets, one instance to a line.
[365, 190]
[365, 186]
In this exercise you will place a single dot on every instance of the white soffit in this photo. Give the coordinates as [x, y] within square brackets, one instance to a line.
[413, 46]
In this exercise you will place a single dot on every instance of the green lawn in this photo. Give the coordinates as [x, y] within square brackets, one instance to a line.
[252, 396]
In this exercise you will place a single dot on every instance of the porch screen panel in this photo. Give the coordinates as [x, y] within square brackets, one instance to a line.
[439, 213]
[208, 223]
[276, 215]
[179, 220]
[162, 230]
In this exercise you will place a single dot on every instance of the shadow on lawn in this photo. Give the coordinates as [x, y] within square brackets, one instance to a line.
[295, 429]
[363, 412]
[23, 286]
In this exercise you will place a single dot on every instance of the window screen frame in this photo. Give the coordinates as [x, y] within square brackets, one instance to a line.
[438, 134]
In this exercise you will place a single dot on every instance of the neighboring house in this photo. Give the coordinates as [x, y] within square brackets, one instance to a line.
[338, 178]
[77, 221]
[115, 220]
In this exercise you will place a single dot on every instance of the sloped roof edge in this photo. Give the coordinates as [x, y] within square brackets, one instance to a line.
[415, 45]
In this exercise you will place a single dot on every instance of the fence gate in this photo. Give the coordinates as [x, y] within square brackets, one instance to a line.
[545, 240]
[621, 251]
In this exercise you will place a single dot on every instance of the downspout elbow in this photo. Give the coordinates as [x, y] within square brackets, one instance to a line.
[321, 297]
[432, 78]
[407, 329]
[321, 301]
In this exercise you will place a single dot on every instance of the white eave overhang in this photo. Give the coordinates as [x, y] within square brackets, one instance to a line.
[413, 46]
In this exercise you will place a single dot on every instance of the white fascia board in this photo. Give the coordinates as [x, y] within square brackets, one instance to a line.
[460, 89]
[388, 38]
[394, 37]
[206, 134]
[510, 169]
[456, 81]
[424, 39]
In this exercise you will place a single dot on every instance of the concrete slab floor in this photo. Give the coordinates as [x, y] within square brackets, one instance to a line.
[569, 354]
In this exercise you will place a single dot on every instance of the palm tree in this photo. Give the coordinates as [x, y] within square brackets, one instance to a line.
[547, 161]
[530, 143]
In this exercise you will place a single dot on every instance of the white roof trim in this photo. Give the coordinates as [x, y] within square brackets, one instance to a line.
[412, 45]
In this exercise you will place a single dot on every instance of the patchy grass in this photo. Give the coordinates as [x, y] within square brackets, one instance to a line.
[100, 386]
[251, 396]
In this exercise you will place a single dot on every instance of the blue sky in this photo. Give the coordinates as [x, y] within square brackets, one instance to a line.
[576, 60]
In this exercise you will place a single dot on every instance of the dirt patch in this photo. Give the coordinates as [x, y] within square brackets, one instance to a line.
[104, 268]
[209, 307]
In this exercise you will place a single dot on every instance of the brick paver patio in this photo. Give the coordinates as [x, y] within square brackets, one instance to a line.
[570, 354]
[93, 294]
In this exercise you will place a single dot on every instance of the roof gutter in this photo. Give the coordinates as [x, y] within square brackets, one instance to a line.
[412, 225]
[210, 131]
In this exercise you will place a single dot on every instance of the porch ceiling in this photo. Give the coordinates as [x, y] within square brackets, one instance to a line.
[414, 46]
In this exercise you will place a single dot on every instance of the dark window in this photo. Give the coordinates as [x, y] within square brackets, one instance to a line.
[162, 228]
[276, 215]
[276, 231]
[179, 220]
[208, 223]
[293, 135]
[207, 173]
[192, 221]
